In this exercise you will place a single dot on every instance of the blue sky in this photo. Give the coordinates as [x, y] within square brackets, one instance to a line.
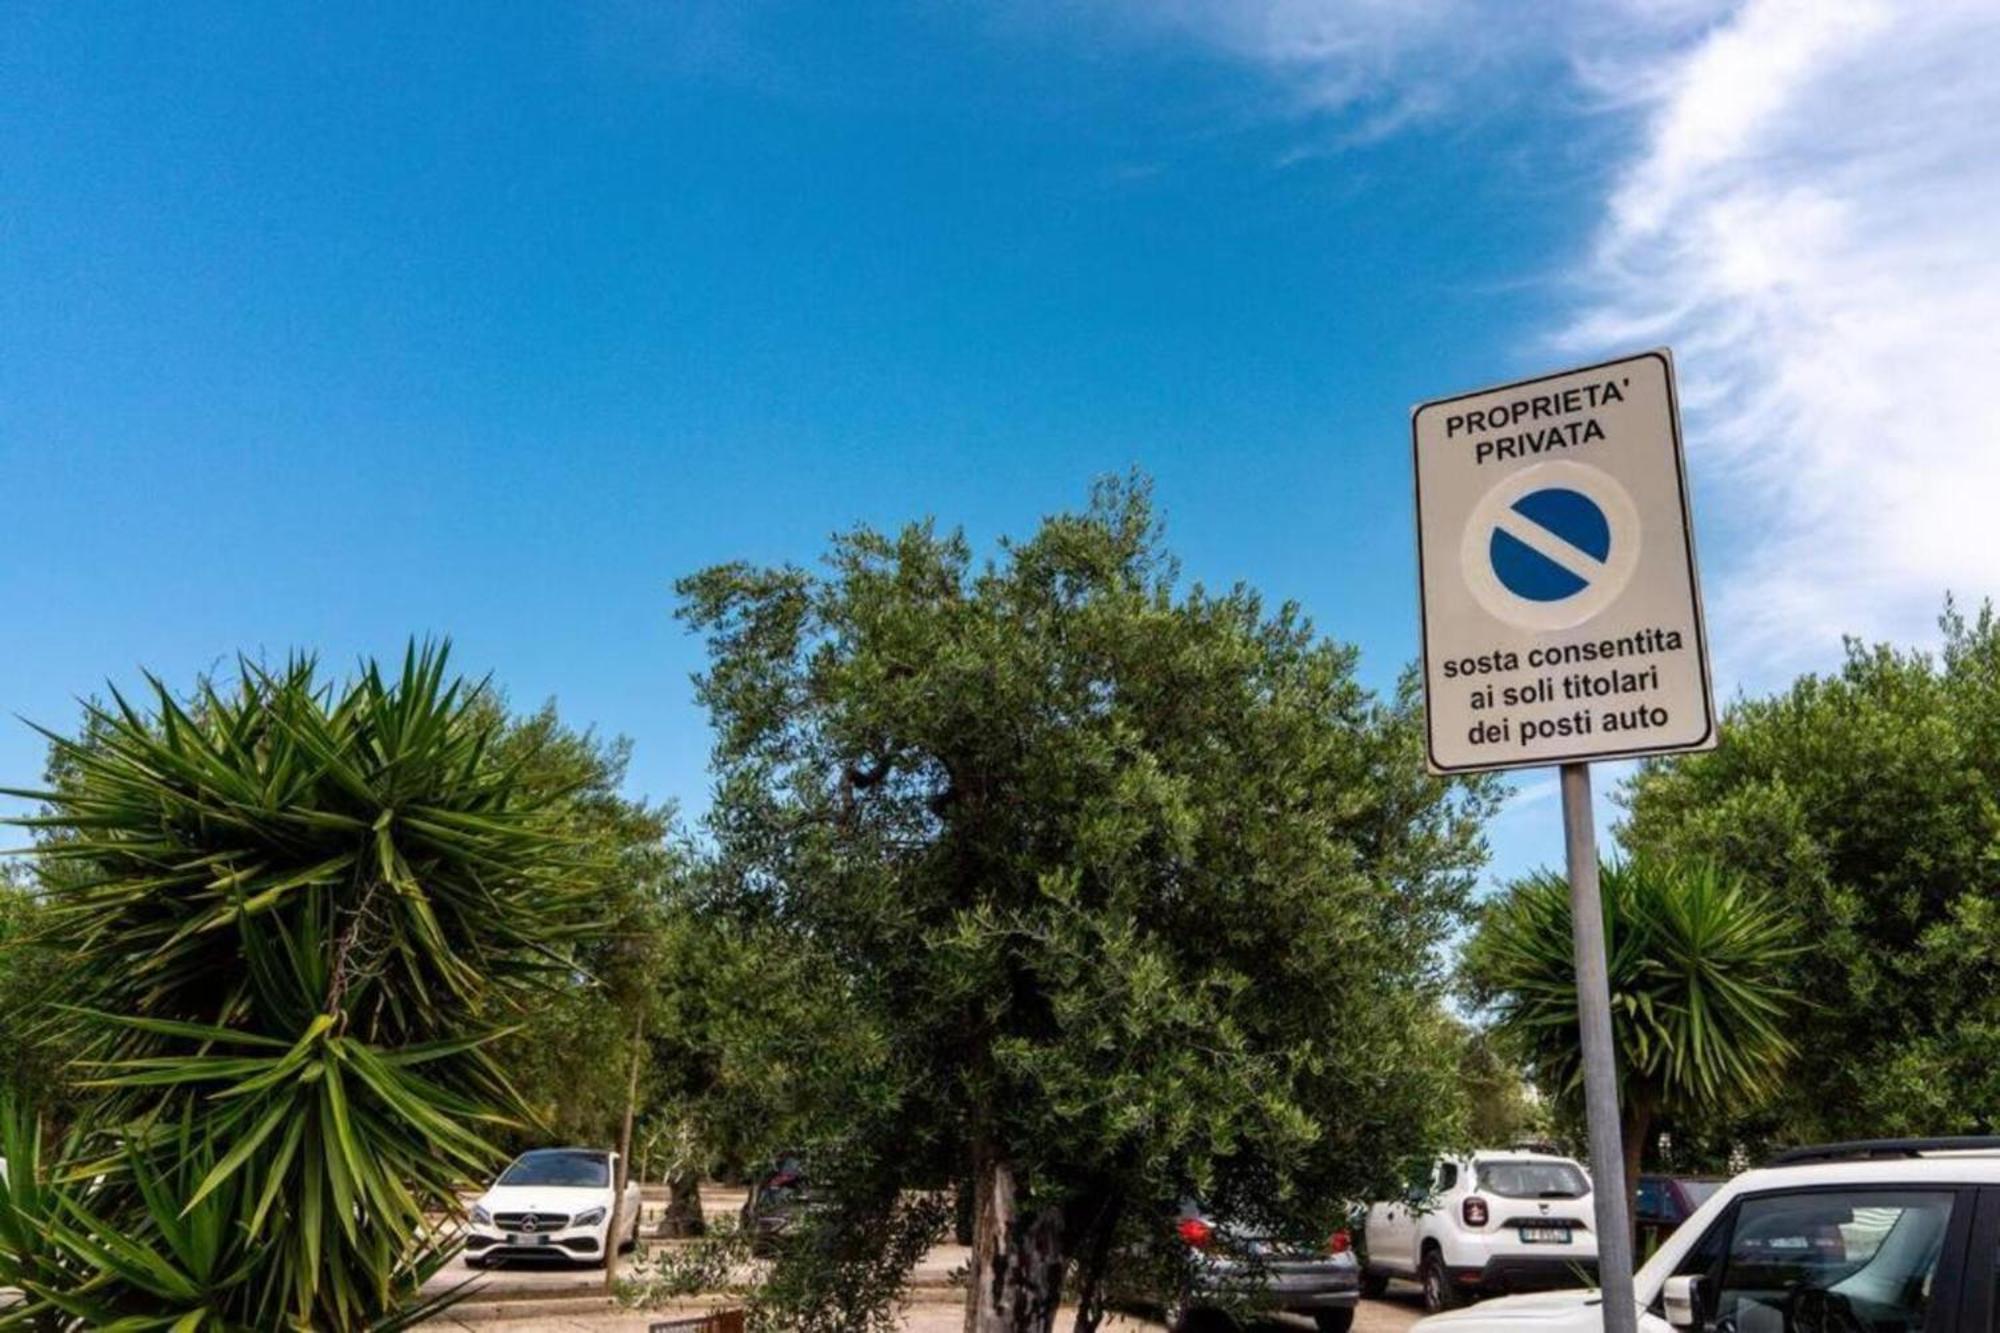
[320, 328]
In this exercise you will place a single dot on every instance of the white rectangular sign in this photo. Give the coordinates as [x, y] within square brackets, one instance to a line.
[1561, 608]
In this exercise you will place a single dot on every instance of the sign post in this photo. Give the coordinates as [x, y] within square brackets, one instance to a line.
[1600, 1061]
[1562, 624]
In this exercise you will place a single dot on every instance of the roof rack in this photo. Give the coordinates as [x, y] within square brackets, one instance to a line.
[1864, 1149]
[1542, 1146]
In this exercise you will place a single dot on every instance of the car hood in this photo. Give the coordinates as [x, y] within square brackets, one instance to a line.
[1549, 1309]
[542, 1199]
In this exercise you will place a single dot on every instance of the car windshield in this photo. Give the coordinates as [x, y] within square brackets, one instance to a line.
[561, 1169]
[1533, 1180]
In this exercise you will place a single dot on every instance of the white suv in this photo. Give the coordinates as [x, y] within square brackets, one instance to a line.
[1489, 1223]
[1892, 1236]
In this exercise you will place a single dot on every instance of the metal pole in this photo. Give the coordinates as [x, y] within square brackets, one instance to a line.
[1610, 1191]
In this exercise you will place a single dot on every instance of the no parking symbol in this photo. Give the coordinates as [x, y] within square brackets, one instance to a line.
[1567, 520]
[1551, 545]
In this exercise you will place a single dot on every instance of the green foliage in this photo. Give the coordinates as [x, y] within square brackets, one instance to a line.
[178, 1261]
[1131, 886]
[570, 1057]
[657, 1274]
[1700, 1002]
[30, 973]
[1501, 1106]
[1868, 803]
[296, 917]
[1699, 1006]
[31, 1208]
[845, 1267]
[757, 1041]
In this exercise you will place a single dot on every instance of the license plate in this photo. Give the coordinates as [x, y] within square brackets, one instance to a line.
[1545, 1235]
[528, 1240]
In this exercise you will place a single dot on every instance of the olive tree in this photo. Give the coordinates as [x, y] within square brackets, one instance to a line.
[1142, 891]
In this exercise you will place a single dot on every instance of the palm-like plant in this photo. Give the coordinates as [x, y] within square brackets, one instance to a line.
[1699, 999]
[297, 916]
[32, 1262]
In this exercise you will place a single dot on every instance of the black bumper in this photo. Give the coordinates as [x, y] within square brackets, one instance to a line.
[1516, 1274]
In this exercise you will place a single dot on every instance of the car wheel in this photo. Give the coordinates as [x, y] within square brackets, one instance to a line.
[1439, 1294]
[1334, 1321]
[1373, 1285]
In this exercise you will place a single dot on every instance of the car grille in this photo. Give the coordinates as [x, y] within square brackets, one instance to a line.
[543, 1222]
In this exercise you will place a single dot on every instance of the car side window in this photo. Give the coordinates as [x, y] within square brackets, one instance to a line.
[1705, 1262]
[1447, 1178]
[1832, 1259]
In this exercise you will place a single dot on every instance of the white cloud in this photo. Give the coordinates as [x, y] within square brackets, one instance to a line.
[1805, 207]
[1374, 64]
[1809, 219]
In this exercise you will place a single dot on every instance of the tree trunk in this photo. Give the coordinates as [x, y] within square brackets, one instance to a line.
[1635, 1128]
[684, 1212]
[1096, 1258]
[1017, 1257]
[619, 1226]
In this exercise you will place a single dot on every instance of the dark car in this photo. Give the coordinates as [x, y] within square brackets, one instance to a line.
[776, 1201]
[1234, 1267]
[1667, 1201]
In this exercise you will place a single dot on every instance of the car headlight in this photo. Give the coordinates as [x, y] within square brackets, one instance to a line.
[589, 1218]
[480, 1217]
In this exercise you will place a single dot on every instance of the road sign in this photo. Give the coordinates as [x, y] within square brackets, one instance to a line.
[1561, 610]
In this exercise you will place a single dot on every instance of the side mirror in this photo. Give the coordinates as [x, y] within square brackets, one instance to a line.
[1682, 1299]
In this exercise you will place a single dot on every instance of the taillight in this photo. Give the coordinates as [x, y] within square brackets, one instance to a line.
[1474, 1212]
[1339, 1243]
[1195, 1232]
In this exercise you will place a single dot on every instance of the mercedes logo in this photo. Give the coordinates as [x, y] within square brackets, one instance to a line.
[531, 1223]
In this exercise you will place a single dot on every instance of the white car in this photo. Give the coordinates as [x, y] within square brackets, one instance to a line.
[1892, 1236]
[552, 1203]
[1490, 1223]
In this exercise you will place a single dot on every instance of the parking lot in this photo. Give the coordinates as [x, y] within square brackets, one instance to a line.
[527, 1297]
[559, 1298]
[1392, 1315]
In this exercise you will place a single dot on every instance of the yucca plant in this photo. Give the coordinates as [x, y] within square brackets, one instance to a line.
[180, 1263]
[32, 1263]
[297, 915]
[1699, 1000]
